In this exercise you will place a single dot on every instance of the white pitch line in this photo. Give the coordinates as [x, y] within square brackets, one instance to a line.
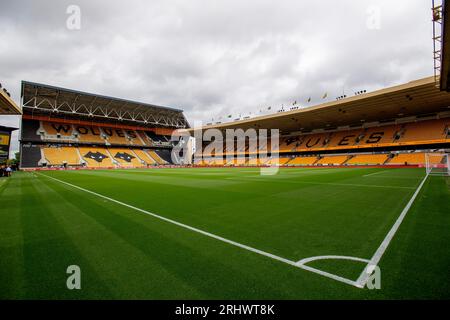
[372, 174]
[258, 178]
[364, 277]
[211, 235]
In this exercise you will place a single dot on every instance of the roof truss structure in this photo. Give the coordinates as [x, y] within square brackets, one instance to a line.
[55, 100]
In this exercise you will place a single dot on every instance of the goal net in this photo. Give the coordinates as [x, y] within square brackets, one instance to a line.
[437, 163]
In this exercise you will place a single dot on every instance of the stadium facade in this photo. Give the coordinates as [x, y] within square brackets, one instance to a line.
[63, 128]
[396, 126]
[393, 126]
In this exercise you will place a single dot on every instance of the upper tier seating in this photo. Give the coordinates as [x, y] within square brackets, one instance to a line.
[121, 136]
[89, 134]
[426, 130]
[34, 130]
[421, 132]
[54, 129]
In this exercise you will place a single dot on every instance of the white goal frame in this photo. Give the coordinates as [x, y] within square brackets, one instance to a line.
[437, 163]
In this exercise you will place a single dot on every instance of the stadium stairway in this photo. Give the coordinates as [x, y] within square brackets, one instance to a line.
[165, 156]
[156, 157]
[144, 156]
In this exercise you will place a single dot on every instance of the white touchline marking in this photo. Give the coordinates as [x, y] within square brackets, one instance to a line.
[318, 183]
[211, 235]
[372, 174]
[363, 278]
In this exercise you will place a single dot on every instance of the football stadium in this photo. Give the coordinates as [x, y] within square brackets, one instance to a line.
[345, 199]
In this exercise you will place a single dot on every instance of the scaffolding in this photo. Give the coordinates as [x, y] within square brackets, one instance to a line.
[437, 10]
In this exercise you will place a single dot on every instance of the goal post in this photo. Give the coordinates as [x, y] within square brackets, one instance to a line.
[437, 163]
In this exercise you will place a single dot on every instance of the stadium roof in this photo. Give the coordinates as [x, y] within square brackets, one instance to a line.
[46, 99]
[7, 105]
[8, 129]
[420, 97]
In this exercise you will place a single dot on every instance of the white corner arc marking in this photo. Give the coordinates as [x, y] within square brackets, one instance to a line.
[311, 259]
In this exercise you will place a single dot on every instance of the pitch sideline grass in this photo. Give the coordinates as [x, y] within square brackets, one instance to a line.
[283, 216]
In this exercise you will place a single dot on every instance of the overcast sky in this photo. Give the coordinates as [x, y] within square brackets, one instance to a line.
[218, 57]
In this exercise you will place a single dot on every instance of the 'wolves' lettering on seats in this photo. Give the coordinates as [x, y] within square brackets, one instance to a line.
[309, 145]
[375, 137]
[110, 132]
[85, 130]
[345, 141]
[61, 127]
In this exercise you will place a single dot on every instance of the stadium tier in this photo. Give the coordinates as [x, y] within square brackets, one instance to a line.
[115, 133]
[350, 146]
[86, 139]
[77, 133]
[368, 130]
[423, 132]
[97, 146]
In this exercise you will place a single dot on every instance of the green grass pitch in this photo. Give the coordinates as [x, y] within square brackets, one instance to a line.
[46, 225]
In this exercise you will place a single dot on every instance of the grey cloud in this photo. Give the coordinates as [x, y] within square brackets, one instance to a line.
[214, 58]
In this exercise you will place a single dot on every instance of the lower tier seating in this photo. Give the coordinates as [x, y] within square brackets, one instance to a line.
[96, 157]
[156, 157]
[408, 158]
[332, 160]
[368, 159]
[61, 155]
[303, 161]
[144, 156]
[125, 158]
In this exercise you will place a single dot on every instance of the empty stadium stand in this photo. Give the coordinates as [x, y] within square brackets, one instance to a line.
[366, 139]
[73, 144]
[61, 156]
[144, 156]
[125, 157]
[368, 159]
[162, 156]
[303, 161]
[332, 160]
[408, 159]
[96, 157]
[418, 132]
